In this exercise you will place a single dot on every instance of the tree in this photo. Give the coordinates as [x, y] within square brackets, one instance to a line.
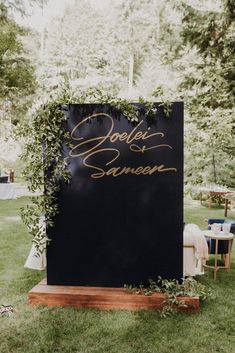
[136, 28]
[210, 88]
[108, 47]
[21, 5]
[158, 71]
[17, 81]
[77, 48]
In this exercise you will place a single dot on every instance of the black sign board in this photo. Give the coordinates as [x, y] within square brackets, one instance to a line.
[120, 218]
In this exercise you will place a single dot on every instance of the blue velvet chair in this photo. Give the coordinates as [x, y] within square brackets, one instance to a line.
[222, 244]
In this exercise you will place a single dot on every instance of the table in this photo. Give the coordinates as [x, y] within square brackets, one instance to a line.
[214, 190]
[7, 191]
[221, 236]
[217, 193]
[228, 197]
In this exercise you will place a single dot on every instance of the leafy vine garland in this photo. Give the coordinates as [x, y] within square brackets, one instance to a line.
[46, 138]
[189, 287]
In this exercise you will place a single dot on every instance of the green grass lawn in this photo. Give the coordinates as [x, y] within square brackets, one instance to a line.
[68, 330]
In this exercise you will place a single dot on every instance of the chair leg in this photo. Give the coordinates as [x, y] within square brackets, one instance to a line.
[223, 258]
[226, 263]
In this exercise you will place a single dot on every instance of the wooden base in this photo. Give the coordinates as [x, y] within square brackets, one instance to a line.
[101, 298]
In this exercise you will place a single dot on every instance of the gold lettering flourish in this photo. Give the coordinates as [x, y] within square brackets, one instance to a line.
[136, 148]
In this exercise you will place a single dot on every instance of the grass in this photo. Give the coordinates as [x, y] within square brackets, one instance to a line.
[68, 330]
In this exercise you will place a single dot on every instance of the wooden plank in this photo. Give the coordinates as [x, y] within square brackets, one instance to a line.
[103, 298]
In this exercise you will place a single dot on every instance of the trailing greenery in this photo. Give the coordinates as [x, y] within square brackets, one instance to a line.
[166, 104]
[45, 169]
[130, 111]
[189, 287]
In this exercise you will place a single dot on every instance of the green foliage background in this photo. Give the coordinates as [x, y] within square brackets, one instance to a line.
[211, 94]
[17, 78]
[131, 49]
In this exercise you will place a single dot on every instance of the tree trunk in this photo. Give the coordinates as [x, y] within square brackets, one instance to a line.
[42, 34]
[131, 71]
[213, 162]
[214, 167]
